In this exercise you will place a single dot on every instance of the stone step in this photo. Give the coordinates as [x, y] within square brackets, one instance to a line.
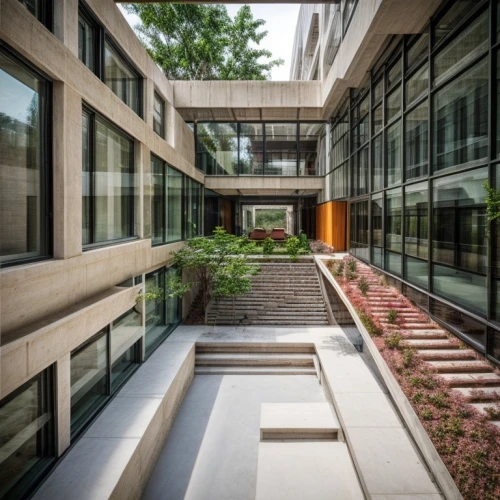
[418, 326]
[468, 366]
[430, 343]
[254, 347]
[257, 359]
[272, 322]
[470, 379]
[481, 407]
[473, 394]
[424, 334]
[248, 370]
[446, 354]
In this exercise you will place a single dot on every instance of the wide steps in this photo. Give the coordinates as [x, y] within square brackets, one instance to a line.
[474, 394]
[471, 379]
[411, 334]
[249, 370]
[254, 347]
[460, 366]
[446, 354]
[256, 359]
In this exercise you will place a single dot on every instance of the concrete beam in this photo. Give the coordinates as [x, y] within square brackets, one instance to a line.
[254, 185]
[228, 1]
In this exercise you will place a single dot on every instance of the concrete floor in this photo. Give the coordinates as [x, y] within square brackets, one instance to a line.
[213, 447]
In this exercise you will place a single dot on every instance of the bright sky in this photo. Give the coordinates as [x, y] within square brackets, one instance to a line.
[281, 20]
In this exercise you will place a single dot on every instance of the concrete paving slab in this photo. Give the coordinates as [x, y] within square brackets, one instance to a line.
[298, 420]
[389, 462]
[302, 470]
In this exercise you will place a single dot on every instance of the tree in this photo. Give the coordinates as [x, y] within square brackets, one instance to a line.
[217, 265]
[202, 42]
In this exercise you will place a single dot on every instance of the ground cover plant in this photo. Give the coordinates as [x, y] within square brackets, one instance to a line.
[468, 444]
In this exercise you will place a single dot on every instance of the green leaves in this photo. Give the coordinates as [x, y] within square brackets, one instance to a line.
[202, 42]
[492, 201]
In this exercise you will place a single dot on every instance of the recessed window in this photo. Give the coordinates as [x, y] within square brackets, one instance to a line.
[159, 115]
[416, 142]
[193, 209]
[27, 435]
[24, 193]
[108, 182]
[41, 9]
[87, 40]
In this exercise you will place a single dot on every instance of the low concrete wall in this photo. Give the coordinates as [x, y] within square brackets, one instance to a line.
[419, 434]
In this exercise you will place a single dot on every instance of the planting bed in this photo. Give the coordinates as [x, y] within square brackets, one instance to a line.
[452, 389]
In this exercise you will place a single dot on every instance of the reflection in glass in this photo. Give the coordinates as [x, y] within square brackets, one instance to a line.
[88, 382]
[394, 154]
[281, 149]
[417, 85]
[416, 220]
[416, 142]
[252, 148]
[418, 50]
[359, 230]
[378, 163]
[377, 205]
[360, 172]
[310, 150]
[158, 205]
[394, 73]
[20, 169]
[174, 205]
[393, 104]
[158, 114]
[393, 220]
[120, 78]
[26, 436]
[461, 119]
[455, 14]
[377, 119]
[86, 42]
[217, 148]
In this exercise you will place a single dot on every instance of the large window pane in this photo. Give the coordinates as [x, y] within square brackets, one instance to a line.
[470, 43]
[113, 185]
[393, 220]
[281, 149]
[394, 155]
[377, 205]
[378, 163]
[124, 349]
[158, 115]
[311, 148]
[461, 119]
[252, 148]
[158, 199]
[174, 205]
[23, 224]
[194, 209]
[88, 382]
[26, 436]
[393, 104]
[459, 239]
[418, 51]
[417, 85]
[416, 142]
[87, 41]
[416, 220]
[359, 230]
[360, 172]
[121, 78]
[217, 148]
[455, 14]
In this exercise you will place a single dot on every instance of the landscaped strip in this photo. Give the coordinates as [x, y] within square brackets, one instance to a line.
[453, 391]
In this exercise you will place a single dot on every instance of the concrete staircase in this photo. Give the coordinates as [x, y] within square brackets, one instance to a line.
[255, 359]
[282, 294]
[463, 369]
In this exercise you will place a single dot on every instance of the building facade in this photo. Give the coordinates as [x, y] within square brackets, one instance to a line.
[106, 167]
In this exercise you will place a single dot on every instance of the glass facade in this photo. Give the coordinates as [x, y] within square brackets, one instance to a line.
[25, 228]
[27, 436]
[278, 149]
[159, 115]
[162, 314]
[430, 153]
[107, 182]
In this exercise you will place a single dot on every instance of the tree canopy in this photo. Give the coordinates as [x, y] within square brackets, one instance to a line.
[202, 42]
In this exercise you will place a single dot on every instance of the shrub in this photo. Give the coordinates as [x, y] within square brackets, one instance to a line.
[393, 341]
[370, 325]
[363, 285]
[351, 265]
[392, 316]
[339, 271]
[304, 244]
[268, 246]
[493, 411]
[408, 357]
[293, 247]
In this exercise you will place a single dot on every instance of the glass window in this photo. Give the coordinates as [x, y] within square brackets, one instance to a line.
[24, 195]
[217, 148]
[416, 226]
[497, 83]
[125, 334]
[89, 379]
[158, 115]
[360, 172]
[452, 18]
[394, 73]
[310, 149]
[194, 209]
[378, 90]
[418, 51]
[416, 142]
[461, 119]
[378, 163]
[174, 205]
[108, 183]
[378, 122]
[158, 201]
[87, 36]
[251, 148]
[27, 437]
[121, 78]
[281, 149]
[459, 239]
[394, 154]
[41, 9]
[348, 8]
[469, 44]
[359, 230]
[377, 206]
[417, 84]
[393, 104]
[161, 315]
[393, 220]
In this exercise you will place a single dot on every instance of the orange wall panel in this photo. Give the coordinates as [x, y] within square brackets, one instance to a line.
[331, 218]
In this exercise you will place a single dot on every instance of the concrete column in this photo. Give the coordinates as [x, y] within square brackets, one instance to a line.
[142, 199]
[66, 23]
[170, 124]
[149, 92]
[67, 172]
[63, 402]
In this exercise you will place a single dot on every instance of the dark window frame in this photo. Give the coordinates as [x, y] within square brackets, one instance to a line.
[163, 107]
[46, 159]
[46, 14]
